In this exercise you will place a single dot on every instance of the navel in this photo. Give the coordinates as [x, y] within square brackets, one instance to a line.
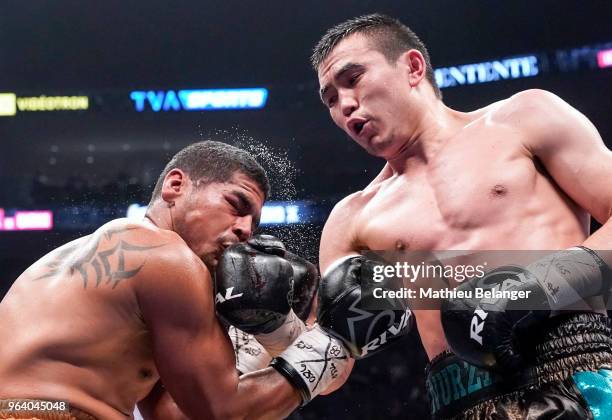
[400, 245]
[145, 373]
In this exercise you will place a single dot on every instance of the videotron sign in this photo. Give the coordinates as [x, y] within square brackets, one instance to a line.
[10, 103]
[199, 99]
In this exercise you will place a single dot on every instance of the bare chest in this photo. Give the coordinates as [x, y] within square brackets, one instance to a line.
[474, 190]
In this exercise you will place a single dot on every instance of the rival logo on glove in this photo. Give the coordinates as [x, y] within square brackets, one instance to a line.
[219, 298]
[393, 330]
[476, 326]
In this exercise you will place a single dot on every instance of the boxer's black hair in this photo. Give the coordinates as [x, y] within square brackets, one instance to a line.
[213, 161]
[389, 36]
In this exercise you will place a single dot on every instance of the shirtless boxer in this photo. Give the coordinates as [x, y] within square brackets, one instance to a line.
[520, 174]
[102, 321]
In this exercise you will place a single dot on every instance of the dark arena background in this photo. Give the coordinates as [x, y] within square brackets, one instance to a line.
[96, 96]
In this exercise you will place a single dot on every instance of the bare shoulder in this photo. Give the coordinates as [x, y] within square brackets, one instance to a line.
[114, 255]
[148, 253]
[166, 251]
[532, 109]
[348, 209]
[353, 203]
[339, 236]
[546, 121]
[173, 275]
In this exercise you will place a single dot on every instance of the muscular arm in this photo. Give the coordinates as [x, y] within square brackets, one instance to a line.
[338, 238]
[159, 405]
[573, 153]
[192, 352]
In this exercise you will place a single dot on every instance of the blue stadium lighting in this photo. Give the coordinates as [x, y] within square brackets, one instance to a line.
[199, 99]
[487, 71]
[224, 98]
[273, 213]
[280, 213]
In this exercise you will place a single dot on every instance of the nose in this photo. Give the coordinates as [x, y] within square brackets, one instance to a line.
[243, 228]
[348, 103]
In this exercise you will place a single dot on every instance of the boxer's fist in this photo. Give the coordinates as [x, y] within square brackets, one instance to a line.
[255, 283]
[253, 287]
[363, 331]
[486, 332]
[305, 285]
[305, 274]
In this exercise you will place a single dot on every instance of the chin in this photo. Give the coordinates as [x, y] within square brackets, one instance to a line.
[379, 148]
[210, 261]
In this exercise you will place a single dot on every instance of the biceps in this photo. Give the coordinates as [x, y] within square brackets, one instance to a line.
[582, 166]
[159, 405]
[337, 238]
[335, 244]
[197, 369]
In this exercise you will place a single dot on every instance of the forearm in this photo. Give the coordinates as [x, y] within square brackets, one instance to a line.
[264, 394]
[159, 405]
[165, 409]
[601, 241]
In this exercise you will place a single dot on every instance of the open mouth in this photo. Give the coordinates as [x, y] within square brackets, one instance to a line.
[359, 127]
[356, 126]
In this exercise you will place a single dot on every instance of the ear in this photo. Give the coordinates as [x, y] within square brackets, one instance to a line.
[414, 62]
[174, 185]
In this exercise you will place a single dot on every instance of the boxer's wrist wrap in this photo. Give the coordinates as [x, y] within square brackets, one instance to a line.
[278, 340]
[250, 354]
[571, 275]
[605, 270]
[312, 362]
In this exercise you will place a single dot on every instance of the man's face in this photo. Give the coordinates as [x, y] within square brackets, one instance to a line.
[213, 216]
[367, 96]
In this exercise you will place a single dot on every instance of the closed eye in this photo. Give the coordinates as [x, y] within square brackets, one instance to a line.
[331, 101]
[237, 204]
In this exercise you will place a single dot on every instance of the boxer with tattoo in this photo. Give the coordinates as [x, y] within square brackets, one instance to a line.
[126, 315]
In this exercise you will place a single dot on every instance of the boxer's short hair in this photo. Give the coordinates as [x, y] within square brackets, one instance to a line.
[213, 161]
[388, 35]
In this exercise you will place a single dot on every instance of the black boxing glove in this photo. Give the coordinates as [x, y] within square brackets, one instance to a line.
[255, 283]
[305, 285]
[253, 288]
[486, 331]
[305, 274]
[363, 331]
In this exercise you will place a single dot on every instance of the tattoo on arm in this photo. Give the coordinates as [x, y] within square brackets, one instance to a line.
[99, 260]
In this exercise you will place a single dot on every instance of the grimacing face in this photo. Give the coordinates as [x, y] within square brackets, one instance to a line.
[216, 215]
[367, 97]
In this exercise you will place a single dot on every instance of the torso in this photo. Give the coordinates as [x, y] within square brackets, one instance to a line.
[71, 326]
[483, 191]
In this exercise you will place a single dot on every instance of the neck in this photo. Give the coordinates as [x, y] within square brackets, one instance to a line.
[160, 214]
[435, 126]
